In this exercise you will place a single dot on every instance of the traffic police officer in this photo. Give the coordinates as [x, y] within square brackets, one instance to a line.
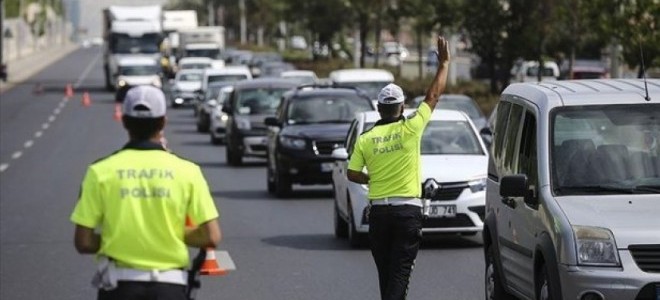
[390, 151]
[139, 198]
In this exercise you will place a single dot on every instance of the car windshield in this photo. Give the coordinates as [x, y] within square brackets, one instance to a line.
[125, 44]
[370, 88]
[210, 53]
[226, 78]
[326, 109]
[609, 149]
[138, 70]
[195, 66]
[259, 101]
[212, 92]
[534, 71]
[448, 137]
[190, 77]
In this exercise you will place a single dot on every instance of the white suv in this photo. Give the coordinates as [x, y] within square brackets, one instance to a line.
[573, 197]
[453, 156]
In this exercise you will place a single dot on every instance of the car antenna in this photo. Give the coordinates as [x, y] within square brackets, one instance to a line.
[646, 88]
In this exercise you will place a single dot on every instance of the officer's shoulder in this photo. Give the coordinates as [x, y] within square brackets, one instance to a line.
[105, 158]
[411, 115]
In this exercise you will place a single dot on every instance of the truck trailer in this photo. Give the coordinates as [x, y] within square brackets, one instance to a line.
[130, 31]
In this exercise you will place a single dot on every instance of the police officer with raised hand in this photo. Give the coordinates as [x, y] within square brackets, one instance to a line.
[138, 198]
[390, 152]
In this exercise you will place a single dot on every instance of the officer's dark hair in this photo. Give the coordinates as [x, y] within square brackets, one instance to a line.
[390, 110]
[143, 128]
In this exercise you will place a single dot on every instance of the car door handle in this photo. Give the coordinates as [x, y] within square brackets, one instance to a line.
[509, 202]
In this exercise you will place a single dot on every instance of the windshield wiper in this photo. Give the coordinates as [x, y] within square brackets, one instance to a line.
[653, 188]
[333, 121]
[597, 189]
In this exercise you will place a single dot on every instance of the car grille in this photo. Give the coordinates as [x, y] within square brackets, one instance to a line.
[448, 191]
[326, 147]
[258, 147]
[461, 220]
[647, 257]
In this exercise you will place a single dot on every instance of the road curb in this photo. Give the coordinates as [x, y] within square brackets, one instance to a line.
[26, 67]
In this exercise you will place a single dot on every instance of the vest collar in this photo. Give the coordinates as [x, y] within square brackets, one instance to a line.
[143, 145]
[389, 121]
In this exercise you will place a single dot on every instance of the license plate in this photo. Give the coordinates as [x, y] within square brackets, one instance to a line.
[442, 211]
[327, 167]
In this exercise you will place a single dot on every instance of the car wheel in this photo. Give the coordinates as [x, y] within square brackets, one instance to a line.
[233, 158]
[493, 283]
[544, 287]
[200, 126]
[355, 239]
[270, 181]
[282, 185]
[341, 227]
[215, 140]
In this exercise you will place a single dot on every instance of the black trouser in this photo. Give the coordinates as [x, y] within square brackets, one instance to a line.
[394, 233]
[139, 290]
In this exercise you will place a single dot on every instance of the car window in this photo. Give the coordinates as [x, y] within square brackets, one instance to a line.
[325, 109]
[527, 163]
[259, 101]
[195, 66]
[450, 137]
[190, 77]
[502, 113]
[226, 78]
[138, 70]
[510, 151]
[606, 149]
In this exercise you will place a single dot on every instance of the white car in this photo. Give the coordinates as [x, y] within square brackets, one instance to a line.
[185, 87]
[225, 74]
[304, 76]
[218, 128]
[453, 156]
[199, 63]
[371, 81]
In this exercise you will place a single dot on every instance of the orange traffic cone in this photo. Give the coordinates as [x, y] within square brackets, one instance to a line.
[210, 265]
[117, 117]
[68, 91]
[86, 100]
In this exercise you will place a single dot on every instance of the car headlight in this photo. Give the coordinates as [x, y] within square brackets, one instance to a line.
[243, 124]
[477, 185]
[121, 83]
[596, 247]
[156, 82]
[294, 143]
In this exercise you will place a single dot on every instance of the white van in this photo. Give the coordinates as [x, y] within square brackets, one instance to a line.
[371, 81]
[226, 74]
[573, 192]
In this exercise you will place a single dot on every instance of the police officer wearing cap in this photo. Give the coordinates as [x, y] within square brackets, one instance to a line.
[390, 153]
[138, 199]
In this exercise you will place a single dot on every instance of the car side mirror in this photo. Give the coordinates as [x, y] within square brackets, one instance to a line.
[339, 154]
[514, 186]
[272, 121]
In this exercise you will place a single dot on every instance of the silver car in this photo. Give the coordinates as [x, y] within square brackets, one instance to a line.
[573, 192]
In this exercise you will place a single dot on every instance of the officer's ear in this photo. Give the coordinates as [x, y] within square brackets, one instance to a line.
[402, 108]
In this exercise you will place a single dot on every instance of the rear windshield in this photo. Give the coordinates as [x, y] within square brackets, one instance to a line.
[259, 101]
[324, 109]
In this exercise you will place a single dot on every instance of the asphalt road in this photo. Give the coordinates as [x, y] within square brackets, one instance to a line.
[283, 248]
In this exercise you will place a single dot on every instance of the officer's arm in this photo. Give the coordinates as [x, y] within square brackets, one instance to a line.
[86, 240]
[440, 80]
[206, 235]
[357, 177]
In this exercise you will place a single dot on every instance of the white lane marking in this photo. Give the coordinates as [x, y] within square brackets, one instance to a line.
[57, 111]
[28, 144]
[45, 126]
[3, 167]
[86, 71]
[17, 154]
[51, 118]
[38, 134]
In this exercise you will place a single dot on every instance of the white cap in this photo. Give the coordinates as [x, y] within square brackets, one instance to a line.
[144, 101]
[391, 94]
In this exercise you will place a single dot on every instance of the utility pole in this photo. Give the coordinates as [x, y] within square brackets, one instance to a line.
[241, 7]
[2, 32]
